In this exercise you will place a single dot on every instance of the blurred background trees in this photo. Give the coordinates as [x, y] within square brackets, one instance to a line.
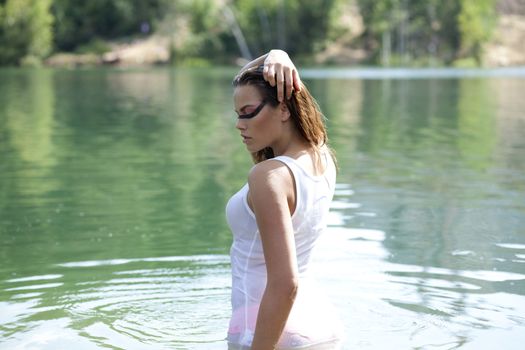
[25, 30]
[405, 30]
[80, 22]
[395, 32]
[302, 27]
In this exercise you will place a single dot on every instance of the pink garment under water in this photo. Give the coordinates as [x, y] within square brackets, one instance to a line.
[312, 323]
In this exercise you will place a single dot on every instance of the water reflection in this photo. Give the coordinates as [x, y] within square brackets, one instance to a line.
[431, 171]
[112, 193]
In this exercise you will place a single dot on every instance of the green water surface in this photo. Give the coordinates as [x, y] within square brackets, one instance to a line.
[113, 184]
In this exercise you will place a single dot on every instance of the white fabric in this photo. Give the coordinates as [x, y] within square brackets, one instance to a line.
[312, 321]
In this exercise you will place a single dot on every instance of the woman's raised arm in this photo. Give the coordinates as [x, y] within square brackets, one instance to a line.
[278, 70]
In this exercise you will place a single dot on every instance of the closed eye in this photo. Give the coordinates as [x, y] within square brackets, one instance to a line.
[254, 113]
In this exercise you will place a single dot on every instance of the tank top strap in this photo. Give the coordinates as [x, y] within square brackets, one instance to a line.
[298, 169]
[300, 189]
[304, 180]
[294, 167]
[286, 160]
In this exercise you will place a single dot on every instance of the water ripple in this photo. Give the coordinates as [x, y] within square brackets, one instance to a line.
[419, 304]
[165, 302]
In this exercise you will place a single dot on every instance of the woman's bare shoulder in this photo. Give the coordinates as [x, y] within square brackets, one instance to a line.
[270, 173]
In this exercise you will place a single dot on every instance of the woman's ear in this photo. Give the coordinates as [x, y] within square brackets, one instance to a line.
[285, 112]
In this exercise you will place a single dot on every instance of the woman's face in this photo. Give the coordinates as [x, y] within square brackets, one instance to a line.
[259, 123]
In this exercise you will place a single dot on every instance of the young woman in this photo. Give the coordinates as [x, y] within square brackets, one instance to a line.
[277, 217]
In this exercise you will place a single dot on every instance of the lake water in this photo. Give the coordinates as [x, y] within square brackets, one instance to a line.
[113, 184]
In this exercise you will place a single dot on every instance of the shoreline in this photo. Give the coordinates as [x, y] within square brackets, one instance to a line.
[503, 50]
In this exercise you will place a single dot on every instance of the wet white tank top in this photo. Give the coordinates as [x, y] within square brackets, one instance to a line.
[313, 198]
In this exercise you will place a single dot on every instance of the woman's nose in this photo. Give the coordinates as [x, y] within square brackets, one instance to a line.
[240, 124]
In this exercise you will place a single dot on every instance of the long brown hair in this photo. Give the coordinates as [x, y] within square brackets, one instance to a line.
[304, 111]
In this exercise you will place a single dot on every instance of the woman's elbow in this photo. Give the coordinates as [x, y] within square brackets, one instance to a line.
[287, 288]
[293, 288]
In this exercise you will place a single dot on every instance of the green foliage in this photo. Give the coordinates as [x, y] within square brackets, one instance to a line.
[96, 46]
[476, 22]
[204, 25]
[396, 31]
[432, 28]
[410, 29]
[25, 31]
[299, 26]
[308, 33]
[80, 22]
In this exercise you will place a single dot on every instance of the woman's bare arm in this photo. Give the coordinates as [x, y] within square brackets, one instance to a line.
[271, 187]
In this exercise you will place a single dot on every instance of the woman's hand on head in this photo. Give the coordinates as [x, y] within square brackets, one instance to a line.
[279, 70]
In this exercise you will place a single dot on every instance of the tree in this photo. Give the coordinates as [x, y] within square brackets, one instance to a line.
[80, 22]
[410, 29]
[476, 21]
[298, 26]
[25, 30]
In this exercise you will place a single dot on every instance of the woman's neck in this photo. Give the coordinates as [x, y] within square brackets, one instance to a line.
[293, 146]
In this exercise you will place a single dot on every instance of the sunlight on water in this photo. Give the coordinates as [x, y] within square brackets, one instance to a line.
[399, 306]
[411, 73]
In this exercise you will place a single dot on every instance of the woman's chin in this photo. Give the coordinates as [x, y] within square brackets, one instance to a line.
[251, 148]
